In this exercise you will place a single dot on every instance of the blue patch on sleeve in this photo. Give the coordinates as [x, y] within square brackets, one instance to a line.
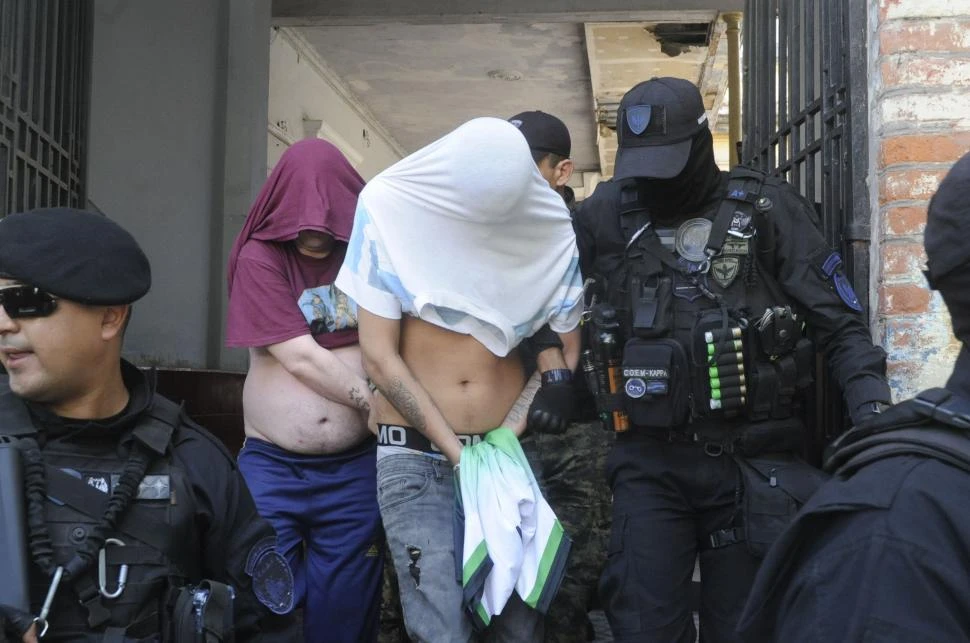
[272, 577]
[831, 264]
[830, 268]
[846, 293]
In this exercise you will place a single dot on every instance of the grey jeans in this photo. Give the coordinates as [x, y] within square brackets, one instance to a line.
[416, 494]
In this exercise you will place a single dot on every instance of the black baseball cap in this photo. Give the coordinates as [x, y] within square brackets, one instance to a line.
[948, 223]
[655, 123]
[543, 132]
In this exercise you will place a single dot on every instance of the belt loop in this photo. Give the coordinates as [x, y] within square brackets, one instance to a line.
[436, 468]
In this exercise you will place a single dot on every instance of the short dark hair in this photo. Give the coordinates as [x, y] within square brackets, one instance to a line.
[541, 155]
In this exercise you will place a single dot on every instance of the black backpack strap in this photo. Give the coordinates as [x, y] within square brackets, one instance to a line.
[943, 406]
[641, 241]
[157, 426]
[911, 427]
[737, 210]
[950, 447]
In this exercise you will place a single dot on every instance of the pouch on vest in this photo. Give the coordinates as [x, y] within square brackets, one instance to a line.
[774, 489]
[773, 385]
[718, 350]
[656, 383]
[651, 308]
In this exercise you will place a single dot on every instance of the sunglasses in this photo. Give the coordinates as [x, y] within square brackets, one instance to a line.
[26, 301]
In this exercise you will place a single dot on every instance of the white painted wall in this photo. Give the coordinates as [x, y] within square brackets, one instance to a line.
[306, 98]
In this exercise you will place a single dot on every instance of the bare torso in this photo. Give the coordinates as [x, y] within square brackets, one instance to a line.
[278, 408]
[473, 388]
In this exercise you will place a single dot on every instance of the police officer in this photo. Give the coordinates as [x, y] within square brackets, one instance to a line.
[138, 525]
[881, 552]
[705, 282]
[570, 461]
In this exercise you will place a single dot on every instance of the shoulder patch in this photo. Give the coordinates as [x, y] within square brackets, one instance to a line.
[830, 269]
[272, 577]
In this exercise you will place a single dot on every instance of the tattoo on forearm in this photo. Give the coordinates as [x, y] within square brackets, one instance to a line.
[406, 404]
[358, 399]
[517, 413]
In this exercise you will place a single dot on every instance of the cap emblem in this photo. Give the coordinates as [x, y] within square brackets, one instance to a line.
[638, 117]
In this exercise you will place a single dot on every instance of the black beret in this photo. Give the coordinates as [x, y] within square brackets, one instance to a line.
[948, 222]
[82, 256]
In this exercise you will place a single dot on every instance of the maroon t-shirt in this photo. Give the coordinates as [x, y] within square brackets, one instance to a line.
[279, 294]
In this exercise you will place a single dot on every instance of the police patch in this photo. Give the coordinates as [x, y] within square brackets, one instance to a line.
[736, 247]
[272, 577]
[725, 269]
[638, 117]
[831, 269]
[635, 388]
[740, 221]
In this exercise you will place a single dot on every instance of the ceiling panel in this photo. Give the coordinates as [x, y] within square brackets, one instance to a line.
[421, 81]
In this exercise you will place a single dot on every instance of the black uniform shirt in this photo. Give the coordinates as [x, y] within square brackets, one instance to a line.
[229, 530]
[880, 556]
[800, 250]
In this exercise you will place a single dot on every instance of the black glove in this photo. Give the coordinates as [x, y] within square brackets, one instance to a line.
[552, 408]
[14, 622]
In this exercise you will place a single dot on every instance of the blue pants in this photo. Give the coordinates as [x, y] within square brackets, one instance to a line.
[324, 510]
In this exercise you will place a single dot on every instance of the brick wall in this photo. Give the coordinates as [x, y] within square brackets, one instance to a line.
[920, 124]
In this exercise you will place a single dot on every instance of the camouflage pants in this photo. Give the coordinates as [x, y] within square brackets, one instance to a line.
[571, 469]
[392, 616]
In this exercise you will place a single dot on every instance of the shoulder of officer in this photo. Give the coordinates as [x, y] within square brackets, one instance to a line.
[783, 205]
[195, 443]
[604, 196]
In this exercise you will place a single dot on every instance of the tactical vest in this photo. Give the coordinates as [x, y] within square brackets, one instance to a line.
[709, 337]
[935, 424]
[126, 593]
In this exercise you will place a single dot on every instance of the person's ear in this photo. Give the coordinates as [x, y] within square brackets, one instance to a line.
[564, 170]
[113, 321]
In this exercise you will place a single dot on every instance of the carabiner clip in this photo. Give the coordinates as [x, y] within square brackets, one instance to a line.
[41, 620]
[103, 571]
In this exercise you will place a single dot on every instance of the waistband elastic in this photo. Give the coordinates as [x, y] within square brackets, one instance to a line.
[406, 437]
[270, 449]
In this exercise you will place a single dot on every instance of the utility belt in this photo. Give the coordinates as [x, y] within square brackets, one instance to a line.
[395, 435]
[724, 368]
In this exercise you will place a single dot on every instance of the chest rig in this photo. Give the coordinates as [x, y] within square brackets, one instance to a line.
[708, 334]
[109, 525]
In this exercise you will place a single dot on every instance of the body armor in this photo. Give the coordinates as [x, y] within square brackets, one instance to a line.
[708, 335]
[151, 550]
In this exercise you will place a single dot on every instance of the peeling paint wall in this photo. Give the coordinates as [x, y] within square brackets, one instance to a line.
[920, 120]
[306, 98]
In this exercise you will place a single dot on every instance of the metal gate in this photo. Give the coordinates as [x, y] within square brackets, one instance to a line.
[805, 118]
[44, 71]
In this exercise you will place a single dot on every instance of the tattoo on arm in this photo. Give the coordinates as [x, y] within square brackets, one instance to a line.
[516, 414]
[358, 399]
[406, 404]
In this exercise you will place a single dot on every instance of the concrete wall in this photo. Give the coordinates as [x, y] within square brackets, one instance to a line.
[307, 99]
[920, 124]
[169, 81]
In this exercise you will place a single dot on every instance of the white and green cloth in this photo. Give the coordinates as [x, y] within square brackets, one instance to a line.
[512, 539]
